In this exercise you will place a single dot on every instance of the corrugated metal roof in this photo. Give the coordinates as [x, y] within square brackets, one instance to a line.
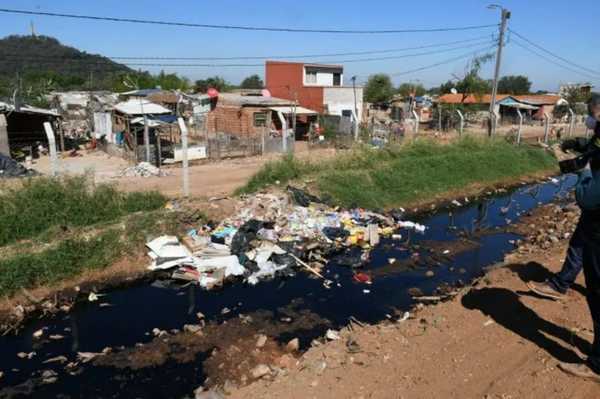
[140, 107]
[533, 99]
[26, 109]
[237, 99]
[290, 110]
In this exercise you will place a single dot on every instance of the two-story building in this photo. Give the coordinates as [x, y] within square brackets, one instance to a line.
[315, 86]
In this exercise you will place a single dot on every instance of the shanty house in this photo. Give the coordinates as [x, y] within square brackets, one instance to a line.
[129, 120]
[22, 128]
[251, 115]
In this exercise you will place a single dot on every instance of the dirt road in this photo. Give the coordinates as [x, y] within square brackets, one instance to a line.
[207, 179]
[494, 341]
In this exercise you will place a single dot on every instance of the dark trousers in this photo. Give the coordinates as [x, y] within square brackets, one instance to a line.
[591, 269]
[563, 280]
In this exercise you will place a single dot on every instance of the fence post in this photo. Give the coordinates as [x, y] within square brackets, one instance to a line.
[4, 147]
[52, 148]
[546, 127]
[461, 125]
[520, 125]
[184, 161]
[571, 121]
[417, 121]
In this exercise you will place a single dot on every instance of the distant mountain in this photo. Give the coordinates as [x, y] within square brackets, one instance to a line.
[45, 57]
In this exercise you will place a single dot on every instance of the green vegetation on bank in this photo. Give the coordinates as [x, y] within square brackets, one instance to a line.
[420, 170]
[42, 203]
[70, 226]
[83, 250]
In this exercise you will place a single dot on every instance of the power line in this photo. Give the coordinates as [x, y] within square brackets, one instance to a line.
[346, 61]
[392, 50]
[525, 47]
[240, 27]
[448, 61]
[554, 54]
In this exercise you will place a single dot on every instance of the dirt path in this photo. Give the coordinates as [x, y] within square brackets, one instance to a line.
[494, 341]
[208, 179]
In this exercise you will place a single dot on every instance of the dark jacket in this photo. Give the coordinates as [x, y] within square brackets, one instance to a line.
[587, 193]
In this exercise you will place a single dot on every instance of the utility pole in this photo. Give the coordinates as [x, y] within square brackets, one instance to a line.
[505, 16]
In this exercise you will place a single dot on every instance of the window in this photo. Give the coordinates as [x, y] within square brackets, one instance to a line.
[260, 119]
[337, 79]
[311, 77]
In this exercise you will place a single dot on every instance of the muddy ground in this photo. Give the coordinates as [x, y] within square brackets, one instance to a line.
[493, 340]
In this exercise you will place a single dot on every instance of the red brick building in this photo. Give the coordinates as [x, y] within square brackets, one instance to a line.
[315, 86]
[248, 115]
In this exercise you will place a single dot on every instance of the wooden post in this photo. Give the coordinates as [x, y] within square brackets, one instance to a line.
[4, 145]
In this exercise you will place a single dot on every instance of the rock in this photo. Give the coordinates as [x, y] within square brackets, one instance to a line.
[56, 337]
[192, 328]
[1, 374]
[286, 362]
[332, 335]
[200, 315]
[23, 355]
[260, 371]
[261, 341]
[38, 333]
[429, 273]
[415, 292]
[49, 377]
[200, 393]
[293, 345]
[57, 359]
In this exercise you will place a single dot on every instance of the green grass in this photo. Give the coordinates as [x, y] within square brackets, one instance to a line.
[91, 249]
[380, 178]
[44, 204]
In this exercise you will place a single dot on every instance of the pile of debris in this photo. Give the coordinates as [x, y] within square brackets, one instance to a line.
[547, 226]
[143, 169]
[273, 234]
[11, 168]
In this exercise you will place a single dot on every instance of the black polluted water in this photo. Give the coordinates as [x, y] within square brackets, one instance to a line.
[457, 246]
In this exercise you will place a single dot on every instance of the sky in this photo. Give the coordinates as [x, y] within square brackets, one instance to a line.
[567, 28]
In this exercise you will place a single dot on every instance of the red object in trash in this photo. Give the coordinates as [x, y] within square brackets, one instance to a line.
[362, 278]
[212, 93]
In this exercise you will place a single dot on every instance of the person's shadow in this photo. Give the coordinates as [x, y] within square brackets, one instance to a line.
[534, 271]
[506, 309]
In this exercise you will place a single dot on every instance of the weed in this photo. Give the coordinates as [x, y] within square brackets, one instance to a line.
[44, 203]
[397, 175]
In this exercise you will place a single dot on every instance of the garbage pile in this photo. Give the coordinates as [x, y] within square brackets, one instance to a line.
[11, 168]
[273, 234]
[142, 169]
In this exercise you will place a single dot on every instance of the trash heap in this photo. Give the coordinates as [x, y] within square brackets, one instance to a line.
[272, 234]
[11, 168]
[142, 169]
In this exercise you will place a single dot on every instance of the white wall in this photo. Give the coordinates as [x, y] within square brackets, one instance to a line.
[324, 79]
[339, 99]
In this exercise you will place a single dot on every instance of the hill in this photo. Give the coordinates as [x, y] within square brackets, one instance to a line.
[42, 54]
[38, 64]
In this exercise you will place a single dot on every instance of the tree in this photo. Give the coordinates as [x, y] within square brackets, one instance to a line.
[514, 84]
[252, 82]
[379, 88]
[215, 82]
[410, 89]
[575, 95]
[471, 83]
